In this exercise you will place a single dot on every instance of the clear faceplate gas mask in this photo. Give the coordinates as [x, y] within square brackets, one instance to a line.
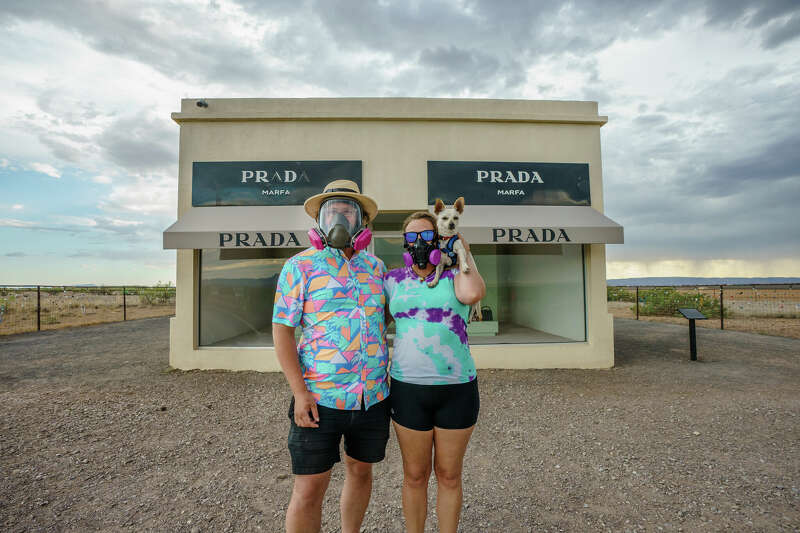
[340, 219]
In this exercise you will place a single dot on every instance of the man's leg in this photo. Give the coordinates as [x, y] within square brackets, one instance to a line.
[304, 514]
[355, 493]
[364, 444]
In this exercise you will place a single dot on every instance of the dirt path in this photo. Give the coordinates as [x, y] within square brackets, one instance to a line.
[97, 434]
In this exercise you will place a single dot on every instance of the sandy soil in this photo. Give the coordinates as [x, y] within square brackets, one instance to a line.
[97, 433]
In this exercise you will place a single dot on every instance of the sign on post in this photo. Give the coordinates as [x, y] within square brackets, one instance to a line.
[692, 314]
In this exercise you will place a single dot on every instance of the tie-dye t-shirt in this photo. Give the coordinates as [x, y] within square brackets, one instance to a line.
[430, 346]
[339, 304]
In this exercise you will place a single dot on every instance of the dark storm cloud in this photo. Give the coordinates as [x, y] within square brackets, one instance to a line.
[140, 143]
[776, 161]
[751, 224]
[126, 31]
[457, 68]
[500, 39]
[783, 33]
[779, 19]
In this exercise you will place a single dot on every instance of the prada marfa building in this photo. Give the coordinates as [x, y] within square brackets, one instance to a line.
[530, 173]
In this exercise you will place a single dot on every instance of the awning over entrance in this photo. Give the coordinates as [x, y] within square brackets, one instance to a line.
[287, 226]
[484, 224]
[240, 227]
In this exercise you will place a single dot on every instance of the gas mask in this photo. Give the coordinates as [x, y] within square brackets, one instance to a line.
[422, 249]
[340, 226]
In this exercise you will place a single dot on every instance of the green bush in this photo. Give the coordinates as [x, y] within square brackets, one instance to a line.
[161, 294]
[665, 301]
[620, 294]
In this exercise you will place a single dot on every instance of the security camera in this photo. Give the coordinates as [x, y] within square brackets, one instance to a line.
[202, 103]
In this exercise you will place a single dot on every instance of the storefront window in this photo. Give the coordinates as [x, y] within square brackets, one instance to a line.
[534, 294]
[237, 290]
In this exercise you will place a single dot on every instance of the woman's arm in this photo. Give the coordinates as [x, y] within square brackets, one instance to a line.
[469, 287]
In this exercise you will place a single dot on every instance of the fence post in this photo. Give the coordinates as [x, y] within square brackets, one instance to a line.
[38, 308]
[721, 308]
[124, 305]
[637, 302]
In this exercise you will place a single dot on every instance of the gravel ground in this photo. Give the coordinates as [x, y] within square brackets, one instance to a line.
[98, 433]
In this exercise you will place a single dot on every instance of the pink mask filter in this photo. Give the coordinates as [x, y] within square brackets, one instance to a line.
[316, 239]
[434, 257]
[361, 239]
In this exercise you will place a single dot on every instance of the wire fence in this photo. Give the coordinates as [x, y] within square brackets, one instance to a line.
[39, 307]
[766, 309]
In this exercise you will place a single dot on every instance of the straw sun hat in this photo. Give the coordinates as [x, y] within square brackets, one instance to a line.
[341, 188]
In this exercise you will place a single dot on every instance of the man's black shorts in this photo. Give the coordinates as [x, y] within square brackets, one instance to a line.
[316, 450]
[421, 407]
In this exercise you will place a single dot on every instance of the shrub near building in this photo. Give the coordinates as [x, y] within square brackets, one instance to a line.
[665, 301]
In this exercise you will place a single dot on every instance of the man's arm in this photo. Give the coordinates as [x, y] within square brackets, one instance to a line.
[305, 404]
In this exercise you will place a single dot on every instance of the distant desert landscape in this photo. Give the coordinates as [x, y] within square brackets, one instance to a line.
[80, 307]
[769, 311]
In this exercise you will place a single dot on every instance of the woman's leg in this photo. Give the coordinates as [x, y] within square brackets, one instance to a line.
[415, 447]
[448, 451]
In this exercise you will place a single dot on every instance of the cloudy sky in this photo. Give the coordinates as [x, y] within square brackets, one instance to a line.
[701, 154]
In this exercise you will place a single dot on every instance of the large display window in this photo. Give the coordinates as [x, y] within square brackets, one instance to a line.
[534, 293]
[237, 291]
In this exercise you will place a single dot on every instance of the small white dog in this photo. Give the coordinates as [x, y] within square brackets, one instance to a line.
[452, 248]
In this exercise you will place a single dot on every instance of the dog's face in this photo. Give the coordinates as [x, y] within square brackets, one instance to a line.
[447, 217]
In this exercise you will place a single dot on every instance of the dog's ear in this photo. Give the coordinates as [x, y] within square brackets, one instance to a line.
[459, 205]
[438, 206]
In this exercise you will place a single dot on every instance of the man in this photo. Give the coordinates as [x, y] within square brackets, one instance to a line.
[337, 372]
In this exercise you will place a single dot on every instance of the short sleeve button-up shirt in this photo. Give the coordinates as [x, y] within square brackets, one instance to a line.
[340, 306]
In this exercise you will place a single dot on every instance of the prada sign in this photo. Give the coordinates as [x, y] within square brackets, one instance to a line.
[530, 235]
[268, 183]
[507, 183]
[258, 239]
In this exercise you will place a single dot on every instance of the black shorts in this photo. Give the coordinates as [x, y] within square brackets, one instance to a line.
[422, 407]
[316, 450]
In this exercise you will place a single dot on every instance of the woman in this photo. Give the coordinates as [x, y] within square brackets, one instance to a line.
[434, 390]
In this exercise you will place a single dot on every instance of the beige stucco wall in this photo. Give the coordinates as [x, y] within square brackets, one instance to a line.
[394, 138]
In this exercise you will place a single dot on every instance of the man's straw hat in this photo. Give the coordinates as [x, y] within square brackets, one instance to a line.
[341, 188]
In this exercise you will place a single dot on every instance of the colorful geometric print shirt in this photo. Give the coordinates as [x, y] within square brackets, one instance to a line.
[339, 304]
[430, 346]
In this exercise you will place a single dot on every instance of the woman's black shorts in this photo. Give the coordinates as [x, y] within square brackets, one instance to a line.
[422, 407]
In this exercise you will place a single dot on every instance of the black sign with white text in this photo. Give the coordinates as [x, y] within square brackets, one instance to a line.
[266, 182]
[506, 183]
